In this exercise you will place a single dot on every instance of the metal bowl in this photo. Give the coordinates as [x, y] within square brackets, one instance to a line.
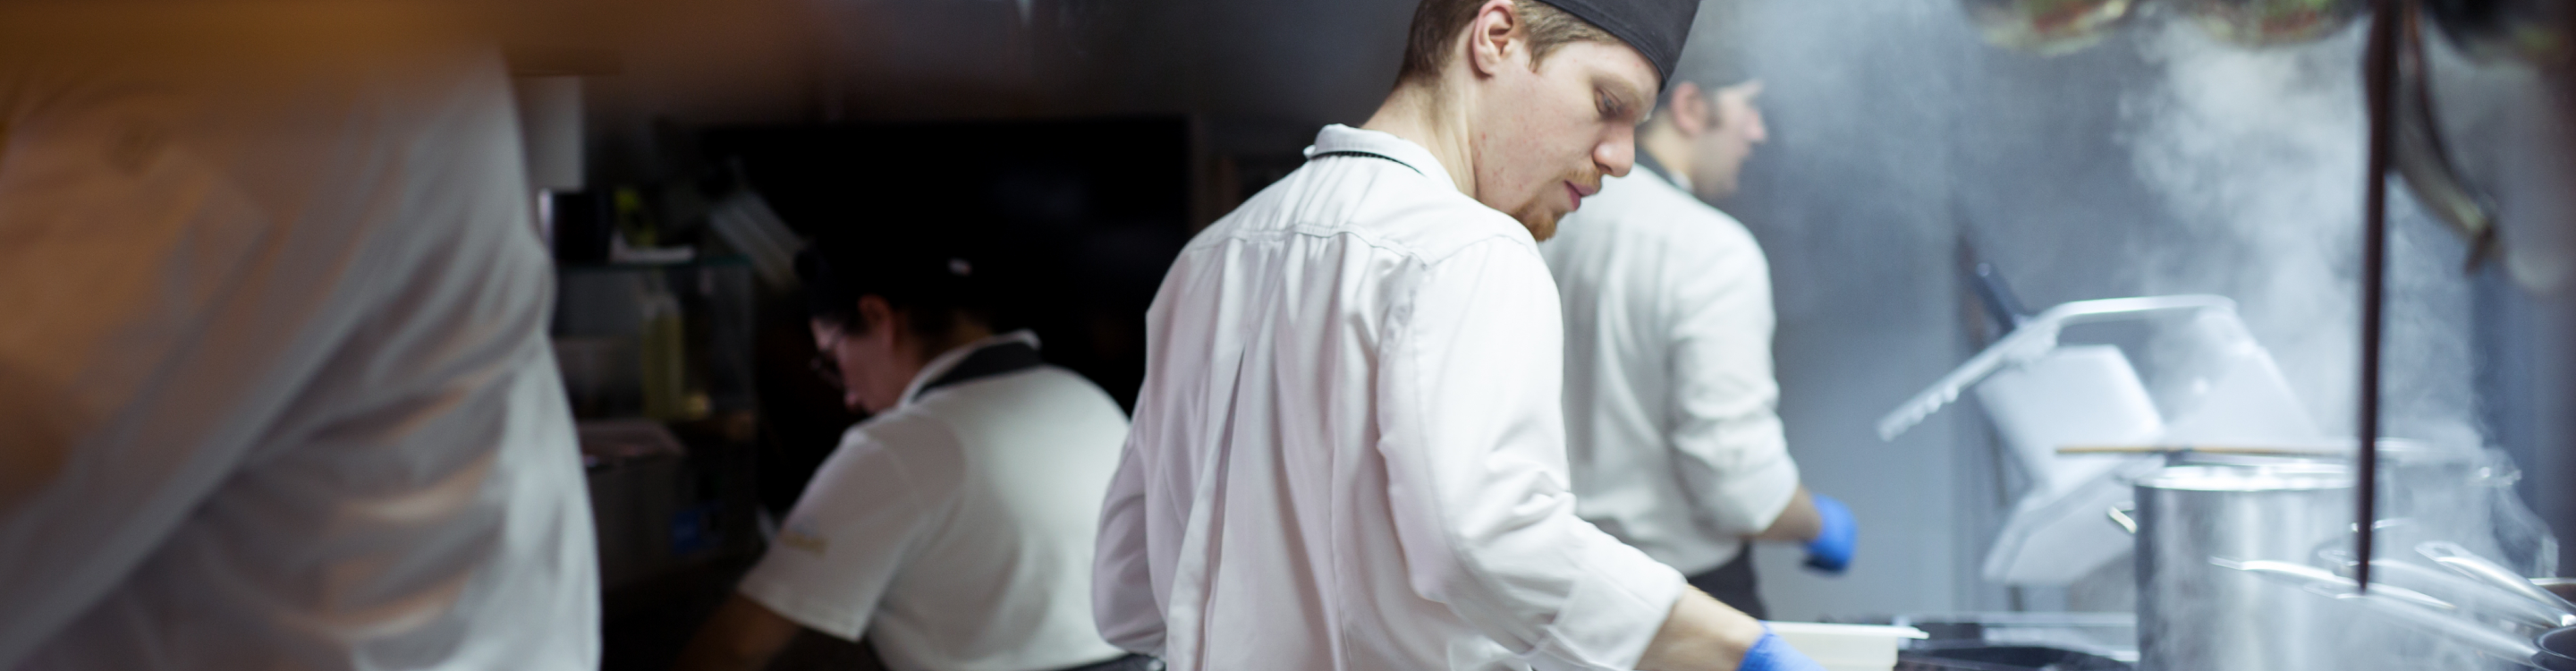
[2047, 27]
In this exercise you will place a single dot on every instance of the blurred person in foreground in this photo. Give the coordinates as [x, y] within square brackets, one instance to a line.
[1349, 449]
[954, 526]
[1669, 399]
[275, 391]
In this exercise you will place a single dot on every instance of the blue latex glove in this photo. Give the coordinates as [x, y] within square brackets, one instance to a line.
[1831, 551]
[1772, 654]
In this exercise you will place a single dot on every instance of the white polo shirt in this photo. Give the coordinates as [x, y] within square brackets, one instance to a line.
[1669, 400]
[955, 530]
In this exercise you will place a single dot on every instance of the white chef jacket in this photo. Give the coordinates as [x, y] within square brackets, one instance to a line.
[1348, 451]
[1669, 399]
[274, 384]
[955, 530]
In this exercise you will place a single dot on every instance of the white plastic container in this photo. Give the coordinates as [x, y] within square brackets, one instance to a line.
[1847, 647]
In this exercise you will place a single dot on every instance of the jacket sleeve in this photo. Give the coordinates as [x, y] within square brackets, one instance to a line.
[1473, 436]
[1730, 454]
[106, 266]
[863, 518]
[1123, 604]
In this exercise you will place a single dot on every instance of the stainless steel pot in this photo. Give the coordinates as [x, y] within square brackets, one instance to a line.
[2194, 615]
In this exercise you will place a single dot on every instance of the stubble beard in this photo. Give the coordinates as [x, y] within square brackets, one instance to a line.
[1540, 222]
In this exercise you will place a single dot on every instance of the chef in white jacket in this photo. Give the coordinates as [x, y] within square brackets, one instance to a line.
[1669, 400]
[953, 528]
[274, 384]
[1348, 452]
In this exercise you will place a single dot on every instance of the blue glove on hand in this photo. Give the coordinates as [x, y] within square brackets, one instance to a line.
[1769, 653]
[1831, 551]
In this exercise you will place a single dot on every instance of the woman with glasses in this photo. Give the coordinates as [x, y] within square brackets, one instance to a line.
[954, 527]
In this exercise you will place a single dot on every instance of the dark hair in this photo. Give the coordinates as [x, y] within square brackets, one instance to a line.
[1438, 22]
[934, 283]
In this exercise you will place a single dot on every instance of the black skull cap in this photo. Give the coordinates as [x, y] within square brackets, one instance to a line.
[1656, 28]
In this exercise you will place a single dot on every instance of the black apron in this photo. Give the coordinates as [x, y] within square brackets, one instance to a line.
[1733, 584]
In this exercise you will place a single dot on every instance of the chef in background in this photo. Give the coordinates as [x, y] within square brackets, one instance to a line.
[1669, 399]
[953, 527]
[274, 384]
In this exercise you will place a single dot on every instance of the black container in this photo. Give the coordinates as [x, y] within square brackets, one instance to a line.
[581, 226]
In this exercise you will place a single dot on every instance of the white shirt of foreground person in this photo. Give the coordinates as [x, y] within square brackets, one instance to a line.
[956, 529]
[1348, 452]
[1669, 395]
[274, 385]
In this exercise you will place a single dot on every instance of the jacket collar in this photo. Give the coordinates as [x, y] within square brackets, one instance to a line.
[997, 355]
[1345, 140]
[1646, 162]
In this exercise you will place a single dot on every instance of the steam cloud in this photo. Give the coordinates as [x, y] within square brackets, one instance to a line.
[2260, 153]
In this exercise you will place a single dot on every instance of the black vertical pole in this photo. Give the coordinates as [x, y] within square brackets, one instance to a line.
[2379, 73]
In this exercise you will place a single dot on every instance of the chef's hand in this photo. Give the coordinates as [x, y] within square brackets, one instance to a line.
[1773, 654]
[1831, 550]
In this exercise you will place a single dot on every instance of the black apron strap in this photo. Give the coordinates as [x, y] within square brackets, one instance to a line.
[1369, 154]
[991, 360]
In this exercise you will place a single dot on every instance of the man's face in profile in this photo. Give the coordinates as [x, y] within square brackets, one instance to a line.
[1735, 125]
[1550, 135]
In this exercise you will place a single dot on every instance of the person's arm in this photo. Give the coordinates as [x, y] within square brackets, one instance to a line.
[742, 636]
[1472, 436]
[1123, 604]
[1797, 523]
[1823, 524]
[1730, 452]
[1703, 634]
[1726, 429]
[861, 520]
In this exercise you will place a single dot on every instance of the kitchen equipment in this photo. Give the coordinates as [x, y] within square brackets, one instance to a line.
[2107, 636]
[1998, 298]
[2263, 23]
[2196, 616]
[2413, 610]
[2563, 587]
[2326, 582]
[2470, 596]
[1847, 647]
[2035, 339]
[2044, 396]
[2047, 27]
[2451, 556]
[2006, 658]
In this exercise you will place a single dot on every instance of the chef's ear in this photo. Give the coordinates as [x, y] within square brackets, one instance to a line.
[1495, 37]
[1690, 107]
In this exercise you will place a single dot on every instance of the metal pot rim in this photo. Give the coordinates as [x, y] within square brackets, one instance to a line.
[2307, 476]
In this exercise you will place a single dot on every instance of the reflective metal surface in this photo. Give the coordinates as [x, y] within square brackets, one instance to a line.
[2197, 616]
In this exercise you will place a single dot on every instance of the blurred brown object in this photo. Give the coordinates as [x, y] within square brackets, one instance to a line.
[2046, 27]
[2261, 23]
